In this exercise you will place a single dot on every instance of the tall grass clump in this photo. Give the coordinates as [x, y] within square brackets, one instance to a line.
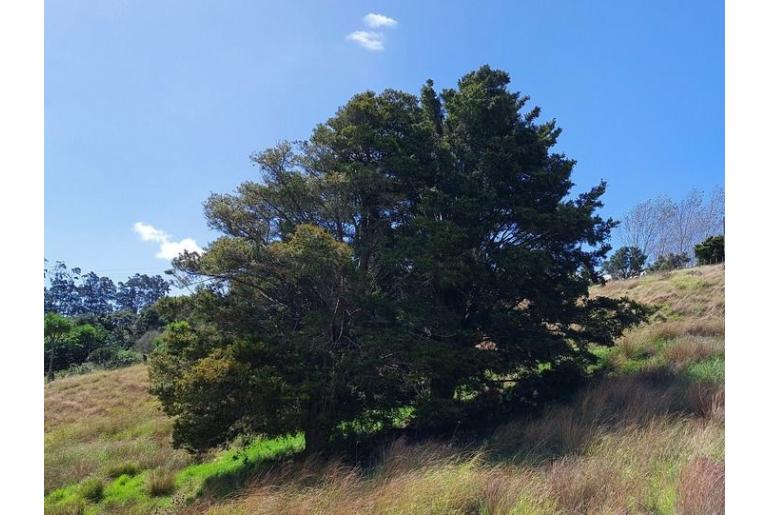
[160, 482]
[92, 490]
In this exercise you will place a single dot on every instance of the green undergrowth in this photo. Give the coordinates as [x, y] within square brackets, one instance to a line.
[219, 477]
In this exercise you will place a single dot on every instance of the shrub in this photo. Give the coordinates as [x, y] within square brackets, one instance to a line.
[92, 489]
[123, 358]
[114, 357]
[160, 482]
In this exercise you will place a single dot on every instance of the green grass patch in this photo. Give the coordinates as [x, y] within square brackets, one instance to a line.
[711, 370]
[91, 490]
[233, 467]
[63, 496]
[145, 492]
[126, 489]
[689, 282]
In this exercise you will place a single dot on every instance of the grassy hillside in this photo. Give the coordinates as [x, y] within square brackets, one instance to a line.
[646, 438]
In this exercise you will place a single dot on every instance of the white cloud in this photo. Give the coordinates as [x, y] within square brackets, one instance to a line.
[375, 21]
[169, 249]
[149, 233]
[374, 41]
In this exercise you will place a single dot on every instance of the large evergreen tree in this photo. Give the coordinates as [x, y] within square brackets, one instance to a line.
[411, 252]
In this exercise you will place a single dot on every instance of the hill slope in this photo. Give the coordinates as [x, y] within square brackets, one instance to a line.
[649, 437]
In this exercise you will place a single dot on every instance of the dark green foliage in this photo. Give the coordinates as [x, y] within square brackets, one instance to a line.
[711, 250]
[668, 262]
[412, 253]
[113, 357]
[625, 262]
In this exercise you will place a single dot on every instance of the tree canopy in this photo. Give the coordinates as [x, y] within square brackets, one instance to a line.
[414, 251]
[626, 262]
[711, 250]
[70, 292]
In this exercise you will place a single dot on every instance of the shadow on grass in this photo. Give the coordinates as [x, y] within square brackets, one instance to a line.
[609, 403]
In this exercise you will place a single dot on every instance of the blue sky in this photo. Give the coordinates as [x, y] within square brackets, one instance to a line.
[152, 105]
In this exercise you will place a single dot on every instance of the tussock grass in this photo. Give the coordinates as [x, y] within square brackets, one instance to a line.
[92, 490]
[160, 482]
[129, 469]
[647, 437]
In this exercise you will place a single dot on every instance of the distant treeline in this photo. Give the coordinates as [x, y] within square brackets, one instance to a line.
[90, 322]
[71, 292]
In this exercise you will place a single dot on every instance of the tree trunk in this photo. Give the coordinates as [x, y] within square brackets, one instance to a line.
[442, 388]
[50, 375]
[316, 428]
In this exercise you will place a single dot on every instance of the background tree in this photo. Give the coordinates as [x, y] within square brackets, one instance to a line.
[61, 296]
[711, 250]
[661, 226]
[668, 262]
[54, 329]
[625, 262]
[140, 291]
[96, 294]
[95, 331]
[410, 250]
[645, 226]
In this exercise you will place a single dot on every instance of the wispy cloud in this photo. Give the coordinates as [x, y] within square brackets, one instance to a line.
[369, 39]
[376, 21]
[169, 249]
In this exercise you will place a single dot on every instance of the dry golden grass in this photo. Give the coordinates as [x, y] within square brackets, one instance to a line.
[625, 446]
[702, 487]
[100, 421]
[694, 293]
[646, 439]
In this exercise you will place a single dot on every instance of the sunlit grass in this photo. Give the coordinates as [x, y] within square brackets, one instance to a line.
[648, 437]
